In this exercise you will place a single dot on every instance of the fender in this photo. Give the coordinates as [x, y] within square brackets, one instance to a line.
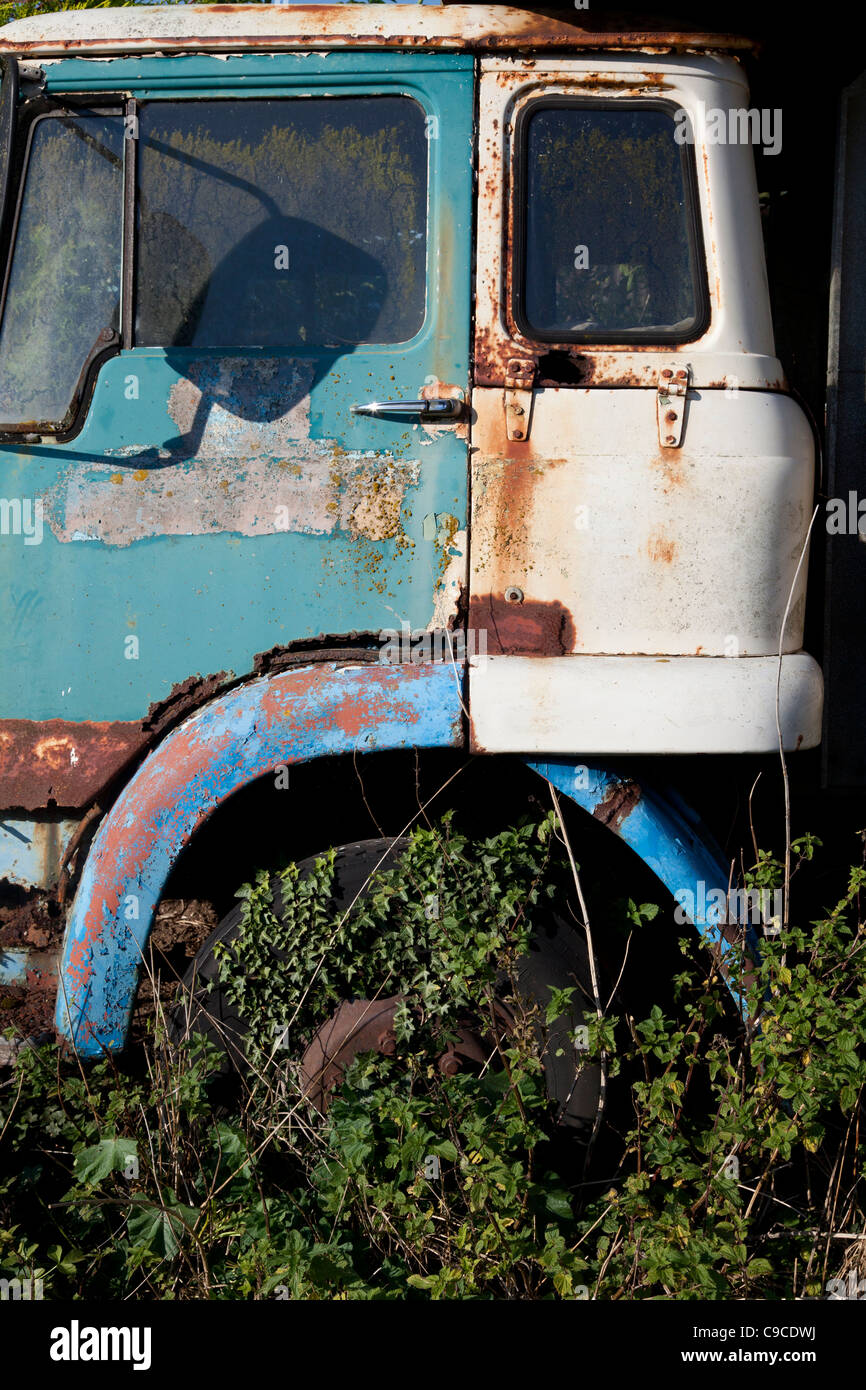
[668, 836]
[308, 712]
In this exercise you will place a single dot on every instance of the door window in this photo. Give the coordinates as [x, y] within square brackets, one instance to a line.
[279, 223]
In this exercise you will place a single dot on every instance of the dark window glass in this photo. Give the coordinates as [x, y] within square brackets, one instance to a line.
[298, 222]
[64, 286]
[607, 244]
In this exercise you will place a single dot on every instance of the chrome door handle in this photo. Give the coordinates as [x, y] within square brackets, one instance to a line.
[439, 408]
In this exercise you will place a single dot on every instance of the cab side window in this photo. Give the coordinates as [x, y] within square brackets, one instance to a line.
[608, 244]
[62, 296]
[284, 223]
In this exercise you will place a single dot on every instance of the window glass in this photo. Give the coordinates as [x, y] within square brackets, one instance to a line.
[297, 222]
[64, 286]
[607, 246]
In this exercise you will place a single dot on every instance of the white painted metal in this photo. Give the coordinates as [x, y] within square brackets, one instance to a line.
[737, 349]
[639, 704]
[663, 572]
[688, 551]
[142, 28]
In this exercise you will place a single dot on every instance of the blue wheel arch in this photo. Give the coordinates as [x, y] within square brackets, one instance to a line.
[298, 715]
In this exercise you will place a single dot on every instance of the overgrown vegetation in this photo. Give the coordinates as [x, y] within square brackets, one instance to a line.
[735, 1174]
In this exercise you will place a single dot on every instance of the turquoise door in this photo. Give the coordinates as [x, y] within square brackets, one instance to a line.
[215, 262]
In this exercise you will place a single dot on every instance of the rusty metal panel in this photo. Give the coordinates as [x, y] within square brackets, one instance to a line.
[611, 543]
[143, 29]
[31, 851]
[59, 762]
[30, 969]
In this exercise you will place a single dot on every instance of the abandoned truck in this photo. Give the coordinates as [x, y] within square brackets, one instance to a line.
[374, 379]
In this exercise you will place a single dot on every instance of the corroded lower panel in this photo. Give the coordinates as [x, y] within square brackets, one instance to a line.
[59, 762]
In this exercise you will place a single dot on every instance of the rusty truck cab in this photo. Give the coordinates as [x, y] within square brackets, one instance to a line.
[374, 377]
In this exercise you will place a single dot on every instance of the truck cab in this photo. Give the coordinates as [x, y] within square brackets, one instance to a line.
[375, 377]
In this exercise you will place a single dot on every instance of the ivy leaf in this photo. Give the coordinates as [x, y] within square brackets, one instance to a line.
[556, 1202]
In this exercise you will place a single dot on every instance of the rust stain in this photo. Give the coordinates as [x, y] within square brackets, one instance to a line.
[618, 803]
[530, 628]
[455, 27]
[60, 762]
[601, 82]
[495, 348]
[670, 464]
[661, 549]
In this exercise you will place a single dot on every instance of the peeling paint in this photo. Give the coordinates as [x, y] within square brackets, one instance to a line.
[243, 734]
[452, 581]
[243, 462]
[228, 27]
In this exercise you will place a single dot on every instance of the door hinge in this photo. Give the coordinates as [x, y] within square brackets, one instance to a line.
[671, 405]
[518, 397]
[32, 79]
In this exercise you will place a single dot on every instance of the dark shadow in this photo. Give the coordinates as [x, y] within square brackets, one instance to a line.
[316, 308]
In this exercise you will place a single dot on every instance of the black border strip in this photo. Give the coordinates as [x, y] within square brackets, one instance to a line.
[130, 207]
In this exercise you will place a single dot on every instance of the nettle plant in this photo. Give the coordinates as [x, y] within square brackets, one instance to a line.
[728, 1166]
